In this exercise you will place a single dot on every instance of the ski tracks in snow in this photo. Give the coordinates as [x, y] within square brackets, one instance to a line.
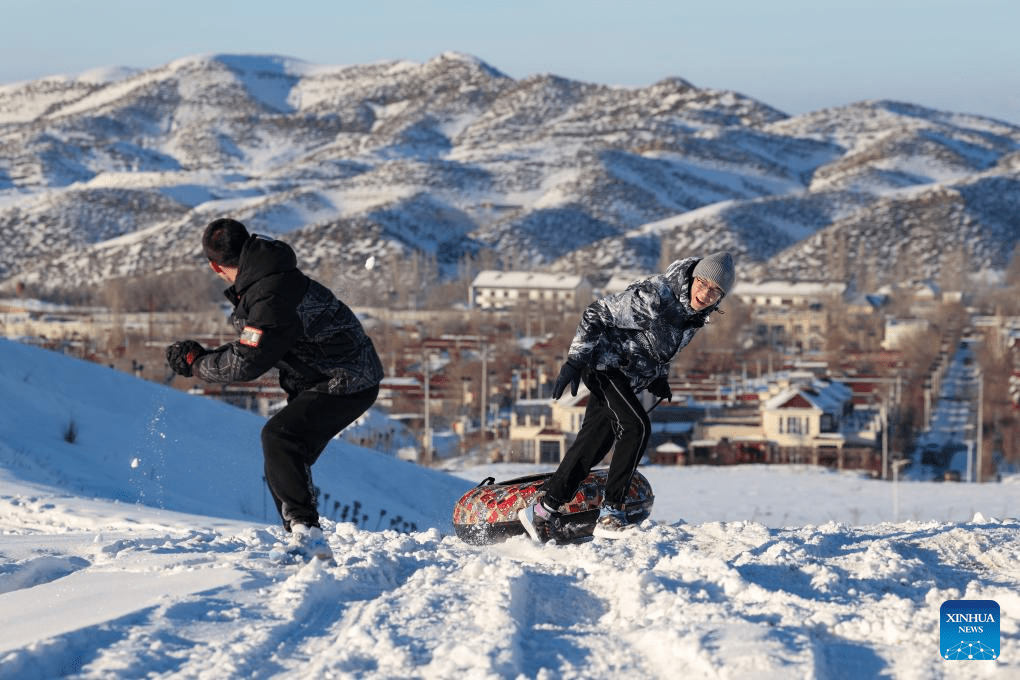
[737, 599]
[716, 600]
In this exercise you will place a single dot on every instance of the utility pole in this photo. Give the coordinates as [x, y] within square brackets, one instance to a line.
[427, 438]
[483, 396]
[885, 439]
[978, 434]
[896, 484]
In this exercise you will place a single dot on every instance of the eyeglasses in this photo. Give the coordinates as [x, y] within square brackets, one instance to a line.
[713, 293]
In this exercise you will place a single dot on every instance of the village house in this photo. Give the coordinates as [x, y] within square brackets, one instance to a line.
[541, 430]
[811, 421]
[793, 315]
[507, 290]
[820, 420]
[794, 418]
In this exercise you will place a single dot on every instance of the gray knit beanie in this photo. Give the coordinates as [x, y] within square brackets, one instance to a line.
[717, 268]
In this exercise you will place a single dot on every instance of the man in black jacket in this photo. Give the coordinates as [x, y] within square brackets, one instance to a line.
[327, 364]
[624, 345]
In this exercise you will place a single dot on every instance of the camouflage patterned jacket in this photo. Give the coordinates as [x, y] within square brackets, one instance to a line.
[640, 330]
[289, 321]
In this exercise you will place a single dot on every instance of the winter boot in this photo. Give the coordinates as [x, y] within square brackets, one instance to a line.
[538, 520]
[308, 542]
[612, 523]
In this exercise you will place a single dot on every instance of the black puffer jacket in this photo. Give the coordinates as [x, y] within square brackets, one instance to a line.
[640, 330]
[289, 321]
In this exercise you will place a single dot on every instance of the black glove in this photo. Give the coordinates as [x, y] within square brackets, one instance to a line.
[569, 374]
[660, 389]
[181, 356]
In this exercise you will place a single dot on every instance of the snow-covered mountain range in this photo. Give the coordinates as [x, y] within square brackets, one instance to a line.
[116, 172]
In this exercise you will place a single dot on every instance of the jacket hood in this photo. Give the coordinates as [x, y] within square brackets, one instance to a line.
[261, 257]
[679, 276]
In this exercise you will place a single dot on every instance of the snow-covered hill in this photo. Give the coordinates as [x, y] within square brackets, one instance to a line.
[116, 172]
[137, 442]
[140, 549]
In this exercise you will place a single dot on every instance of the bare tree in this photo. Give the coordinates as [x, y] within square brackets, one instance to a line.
[1000, 426]
[181, 290]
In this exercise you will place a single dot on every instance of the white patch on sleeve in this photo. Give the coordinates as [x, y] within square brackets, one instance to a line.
[251, 336]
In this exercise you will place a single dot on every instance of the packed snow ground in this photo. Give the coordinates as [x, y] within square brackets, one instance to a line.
[141, 550]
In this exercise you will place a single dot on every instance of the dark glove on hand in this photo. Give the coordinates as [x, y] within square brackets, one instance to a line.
[181, 356]
[569, 374]
[660, 389]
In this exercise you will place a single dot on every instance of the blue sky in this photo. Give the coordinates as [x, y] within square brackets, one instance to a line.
[796, 55]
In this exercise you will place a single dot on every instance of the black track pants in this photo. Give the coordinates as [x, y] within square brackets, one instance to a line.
[613, 415]
[292, 441]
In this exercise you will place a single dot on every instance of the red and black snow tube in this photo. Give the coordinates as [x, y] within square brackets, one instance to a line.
[488, 512]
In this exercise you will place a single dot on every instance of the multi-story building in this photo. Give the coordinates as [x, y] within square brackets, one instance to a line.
[541, 430]
[795, 316]
[508, 290]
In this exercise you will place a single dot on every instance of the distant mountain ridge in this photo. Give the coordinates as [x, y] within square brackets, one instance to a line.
[116, 172]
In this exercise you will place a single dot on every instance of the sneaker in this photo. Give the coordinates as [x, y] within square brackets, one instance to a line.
[535, 518]
[308, 542]
[612, 523]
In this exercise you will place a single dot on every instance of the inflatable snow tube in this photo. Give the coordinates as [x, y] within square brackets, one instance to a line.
[488, 512]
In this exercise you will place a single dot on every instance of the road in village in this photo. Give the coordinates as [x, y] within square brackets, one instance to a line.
[950, 440]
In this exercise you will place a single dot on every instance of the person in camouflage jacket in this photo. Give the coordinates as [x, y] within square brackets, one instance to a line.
[327, 364]
[640, 330]
[623, 345]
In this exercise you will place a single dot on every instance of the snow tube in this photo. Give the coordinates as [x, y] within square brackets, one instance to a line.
[488, 512]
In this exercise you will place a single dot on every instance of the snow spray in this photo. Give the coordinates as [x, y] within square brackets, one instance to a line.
[149, 462]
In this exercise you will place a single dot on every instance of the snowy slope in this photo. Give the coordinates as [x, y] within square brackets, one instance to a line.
[137, 442]
[110, 568]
